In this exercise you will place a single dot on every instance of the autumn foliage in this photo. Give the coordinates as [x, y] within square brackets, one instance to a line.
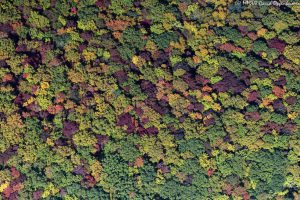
[149, 99]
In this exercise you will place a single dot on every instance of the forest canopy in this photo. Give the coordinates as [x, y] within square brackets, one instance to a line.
[149, 100]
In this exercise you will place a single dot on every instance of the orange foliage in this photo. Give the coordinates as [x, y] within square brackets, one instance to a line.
[278, 91]
[16, 25]
[139, 162]
[230, 48]
[15, 173]
[117, 35]
[59, 98]
[196, 59]
[206, 89]
[117, 25]
[11, 189]
[55, 109]
[210, 172]
[7, 77]
[182, 7]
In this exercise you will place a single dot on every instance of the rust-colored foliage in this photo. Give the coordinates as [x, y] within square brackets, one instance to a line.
[148, 99]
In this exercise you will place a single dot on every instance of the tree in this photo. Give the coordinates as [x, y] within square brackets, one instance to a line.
[38, 21]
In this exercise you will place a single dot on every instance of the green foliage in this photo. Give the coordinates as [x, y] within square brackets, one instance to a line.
[120, 7]
[76, 191]
[230, 33]
[132, 38]
[195, 146]
[128, 151]
[37, 20]
[232, 101]
[163, 40]
[87, 25]
[9, 12]
[126, 53]
[6, 48]
[127, 99]
[207, 70]
[231, 165]
[291, 54]
[267, 172]
[116, 180]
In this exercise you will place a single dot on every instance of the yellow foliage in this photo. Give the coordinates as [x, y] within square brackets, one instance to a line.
[190, 27]
[221, 2]
[138, 61]
[195, 115]
[191, 8]
[173, 157]
[219, 14]
[14, 121]
[50, 190]
[29, 101]
[265, 102]
[216, 107]
[63, 31]
[203, 51]
[203, 161]
[198, 94]
[179, 45]
[3, 186]
[76, 77]
[292, 115]
[135, 59]
[88, 55]
[45, 85]
[84, 139]
[81, 109]
[261, 32]
[96, 169]
[50, 142]
[40, 91]
[187, 155]
[230, 147]
[150, 46]
[208, 98]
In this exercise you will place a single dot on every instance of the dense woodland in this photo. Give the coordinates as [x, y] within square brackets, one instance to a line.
[149, 100]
